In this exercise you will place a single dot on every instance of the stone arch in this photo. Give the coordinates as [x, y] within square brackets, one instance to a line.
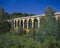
[25, 24]
[30, 24]
[35, 23]
[15, 23]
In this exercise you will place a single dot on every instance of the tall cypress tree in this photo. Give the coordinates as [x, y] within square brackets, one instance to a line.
[51, 23]
[1, 13]
[4, 25]
[48, 25]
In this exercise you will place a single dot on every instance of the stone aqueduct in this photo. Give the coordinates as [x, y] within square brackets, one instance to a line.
[16, 22]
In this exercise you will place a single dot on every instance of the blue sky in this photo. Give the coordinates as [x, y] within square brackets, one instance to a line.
[29, 6]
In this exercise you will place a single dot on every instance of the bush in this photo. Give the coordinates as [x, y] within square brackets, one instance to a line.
[4, 26]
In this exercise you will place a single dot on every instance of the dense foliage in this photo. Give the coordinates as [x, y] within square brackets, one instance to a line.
[4, 27]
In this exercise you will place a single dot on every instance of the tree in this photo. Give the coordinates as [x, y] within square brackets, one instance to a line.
[49, 11]
[31, 14]
[4, 25]
[7, 15]
[48, 25]
[1, 13]
[4, 15]
[58, 31]
[51, 23]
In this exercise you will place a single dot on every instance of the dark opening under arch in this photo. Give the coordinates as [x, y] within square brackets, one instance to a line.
[35, 23]
[18, 22]
[25, 24]
[15, 23]
[30, 24]
[21, 24]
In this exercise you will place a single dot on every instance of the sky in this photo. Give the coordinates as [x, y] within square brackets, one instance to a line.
[29, 6]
